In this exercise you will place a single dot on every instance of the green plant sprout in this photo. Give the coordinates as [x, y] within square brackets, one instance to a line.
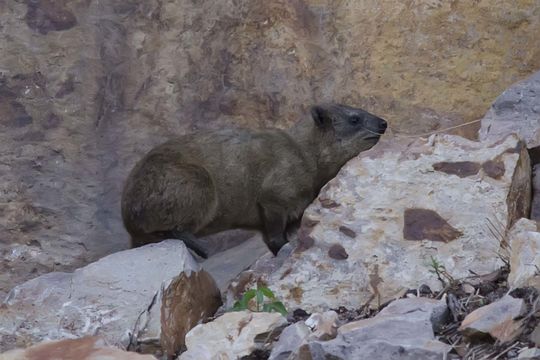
[438, 269]
[260, 304]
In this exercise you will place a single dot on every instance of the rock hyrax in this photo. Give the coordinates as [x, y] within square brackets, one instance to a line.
[206, 182]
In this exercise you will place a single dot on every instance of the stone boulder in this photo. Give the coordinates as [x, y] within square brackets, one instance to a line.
[516, 110]
[323, 325]
[226, 266]
[436, 311]
[524, 241]
[290, 340]
[393, 212]
[145, 298]
[87, 348]
[405, 331]
[498, 319]
[232, 335]
[529, 354]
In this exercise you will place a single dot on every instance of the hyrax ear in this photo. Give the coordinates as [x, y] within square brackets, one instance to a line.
[321, 117]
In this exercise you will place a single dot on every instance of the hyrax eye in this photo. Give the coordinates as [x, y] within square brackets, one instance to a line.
[355, 120]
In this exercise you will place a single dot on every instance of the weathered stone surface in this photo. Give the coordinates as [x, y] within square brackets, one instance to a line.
[495, 319]
[524, 240]
[228, 264]
[516, 110]
[404, 331]
[319, 326]
[230, 336]
[403, 212]
[324, 325]
[186, 301]
[86, 87]
[436, 311]
[535, 336]
[529, 354]
[87, 348]
[290, 341]
[125, 298]
[535, 203]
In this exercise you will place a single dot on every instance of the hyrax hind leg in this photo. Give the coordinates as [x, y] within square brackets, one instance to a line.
[169, 200]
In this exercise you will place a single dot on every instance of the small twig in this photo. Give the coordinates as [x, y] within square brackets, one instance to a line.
[506, 350]
[443, 291]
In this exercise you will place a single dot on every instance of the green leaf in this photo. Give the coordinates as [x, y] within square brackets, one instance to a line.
[267, 292]
[278, 307]
[238, 306]
[259, 294]
[250, 294]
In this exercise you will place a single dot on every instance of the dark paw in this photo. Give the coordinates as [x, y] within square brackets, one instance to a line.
[200, 252]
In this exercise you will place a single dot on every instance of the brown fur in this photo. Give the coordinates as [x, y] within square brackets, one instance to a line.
[203, 183]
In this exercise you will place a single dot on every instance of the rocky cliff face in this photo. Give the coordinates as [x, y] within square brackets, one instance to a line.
[86, 87]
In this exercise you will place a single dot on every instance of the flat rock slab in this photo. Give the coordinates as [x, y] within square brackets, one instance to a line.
[495, 319]
[87, 348]
[529, 354]
[230, 336]
[226, 265]
[436, 311]
[516, 110]
[524, 241]
[376, 227]
[403, 332]
[124, 297]
[290, 341]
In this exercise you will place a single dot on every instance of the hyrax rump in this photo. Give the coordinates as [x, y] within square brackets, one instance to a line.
[203, 183]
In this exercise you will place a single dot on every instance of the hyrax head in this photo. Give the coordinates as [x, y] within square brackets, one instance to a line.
[354, 130]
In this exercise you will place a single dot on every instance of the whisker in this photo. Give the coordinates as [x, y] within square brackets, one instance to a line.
[372, 132]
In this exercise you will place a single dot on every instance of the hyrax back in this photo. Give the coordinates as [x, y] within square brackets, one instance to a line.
[203, 183]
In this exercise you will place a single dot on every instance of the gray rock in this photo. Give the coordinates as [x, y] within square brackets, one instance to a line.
[404, 331]
[226, 265]
[529, 354]
[495, 319]
[392, 209]
[343, 350]
[516, 110]
[290, 341]
[123, 297]
[535, 336]
[436, 311]
[524, 241]
[231, 335]
[324, 325]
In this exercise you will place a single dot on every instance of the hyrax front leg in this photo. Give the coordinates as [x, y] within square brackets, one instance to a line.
[274, 227]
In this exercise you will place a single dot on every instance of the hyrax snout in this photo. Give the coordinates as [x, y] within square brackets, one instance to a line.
[206, 182]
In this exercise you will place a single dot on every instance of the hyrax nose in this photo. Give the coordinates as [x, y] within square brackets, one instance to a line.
[382, 125]
[377, 124]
